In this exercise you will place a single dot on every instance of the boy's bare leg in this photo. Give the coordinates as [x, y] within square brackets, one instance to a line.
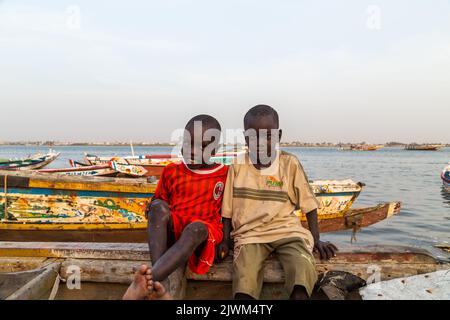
[193, 235]
[157, 229]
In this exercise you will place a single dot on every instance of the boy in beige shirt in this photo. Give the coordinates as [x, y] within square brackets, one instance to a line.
[262, 191]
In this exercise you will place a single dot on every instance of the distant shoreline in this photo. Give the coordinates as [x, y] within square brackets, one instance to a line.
[120, 144]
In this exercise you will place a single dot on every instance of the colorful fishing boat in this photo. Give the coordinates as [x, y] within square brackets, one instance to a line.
[109, 169]
[128, 169]
[33, 162]
[445, 176]
[103, 170]
[154, 164]
[423, 147]
[42, 207]
[361, 147]
[44, 270]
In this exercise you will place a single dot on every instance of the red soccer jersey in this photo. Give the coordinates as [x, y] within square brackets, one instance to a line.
[193, 193]
[195, 196]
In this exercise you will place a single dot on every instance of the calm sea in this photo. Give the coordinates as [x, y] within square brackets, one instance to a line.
[389, 174]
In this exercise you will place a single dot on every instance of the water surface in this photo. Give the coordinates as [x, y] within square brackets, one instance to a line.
[390, 174]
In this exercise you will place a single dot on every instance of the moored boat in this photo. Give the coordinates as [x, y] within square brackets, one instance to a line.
[152, 164]
[42, 207]
[104, 170]
[33, 162]
[105, 270]
[445, 176]
[423, 147]
[109, 169]
[361, 147]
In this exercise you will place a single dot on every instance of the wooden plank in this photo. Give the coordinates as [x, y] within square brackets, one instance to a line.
[116, 271]
[139, 252]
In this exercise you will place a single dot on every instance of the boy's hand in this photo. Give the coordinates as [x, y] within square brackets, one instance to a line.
[327, 250]
[222, 250]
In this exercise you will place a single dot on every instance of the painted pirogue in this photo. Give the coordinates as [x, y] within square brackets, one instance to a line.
[32, 270]
[445, 176]
[42, 207]
[423, 147]
[155, 163]
[33, 162]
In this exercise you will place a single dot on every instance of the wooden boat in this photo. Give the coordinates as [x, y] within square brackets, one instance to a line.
[42, 270]
[445, 176]
[42, 207]
[38, 206]
[128, 169]
[152, 164]
[155, 163]
[109, 169]
[36, 161]
[361, 147]
[104, 170]
[423, 147]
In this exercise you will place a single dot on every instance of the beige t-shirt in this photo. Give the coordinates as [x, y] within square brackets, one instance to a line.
[261, 203]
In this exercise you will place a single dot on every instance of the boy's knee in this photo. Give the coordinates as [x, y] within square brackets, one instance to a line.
[158, 210]
[197, 230]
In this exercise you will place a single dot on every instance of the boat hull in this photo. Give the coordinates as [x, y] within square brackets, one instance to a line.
[423, 147]
[445, 176]
[32, 163]
[99, 170]
[112, 266]
[353, 219]
[43, 207]
[42, 199]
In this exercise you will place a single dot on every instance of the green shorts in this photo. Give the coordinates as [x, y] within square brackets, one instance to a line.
[297, 261]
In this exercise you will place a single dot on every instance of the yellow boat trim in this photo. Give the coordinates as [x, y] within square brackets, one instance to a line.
[71, 226]
[97, 186]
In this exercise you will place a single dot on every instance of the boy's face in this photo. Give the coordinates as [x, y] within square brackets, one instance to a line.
[262, 136]
[200, 142]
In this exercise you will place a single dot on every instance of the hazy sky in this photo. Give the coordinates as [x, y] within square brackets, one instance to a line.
[372, 71]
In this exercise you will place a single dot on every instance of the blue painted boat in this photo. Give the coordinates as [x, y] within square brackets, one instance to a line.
[445, 176]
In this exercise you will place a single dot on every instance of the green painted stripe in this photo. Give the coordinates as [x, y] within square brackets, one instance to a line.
[262, 196]
[259, 191]
[277, 195]
[246, 196]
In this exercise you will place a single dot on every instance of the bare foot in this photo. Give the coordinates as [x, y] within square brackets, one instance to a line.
[156, 289]
[138, 289]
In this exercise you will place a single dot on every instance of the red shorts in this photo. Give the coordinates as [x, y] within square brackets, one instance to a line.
[201, 260]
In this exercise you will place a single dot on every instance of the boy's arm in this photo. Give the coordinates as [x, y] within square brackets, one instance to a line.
[326, 250]
[308, 204]
[227, 212]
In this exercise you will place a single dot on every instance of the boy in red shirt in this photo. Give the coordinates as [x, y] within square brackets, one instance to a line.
[184, 215]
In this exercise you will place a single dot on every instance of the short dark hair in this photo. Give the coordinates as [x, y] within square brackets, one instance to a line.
[260, 110]
[208, 121]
